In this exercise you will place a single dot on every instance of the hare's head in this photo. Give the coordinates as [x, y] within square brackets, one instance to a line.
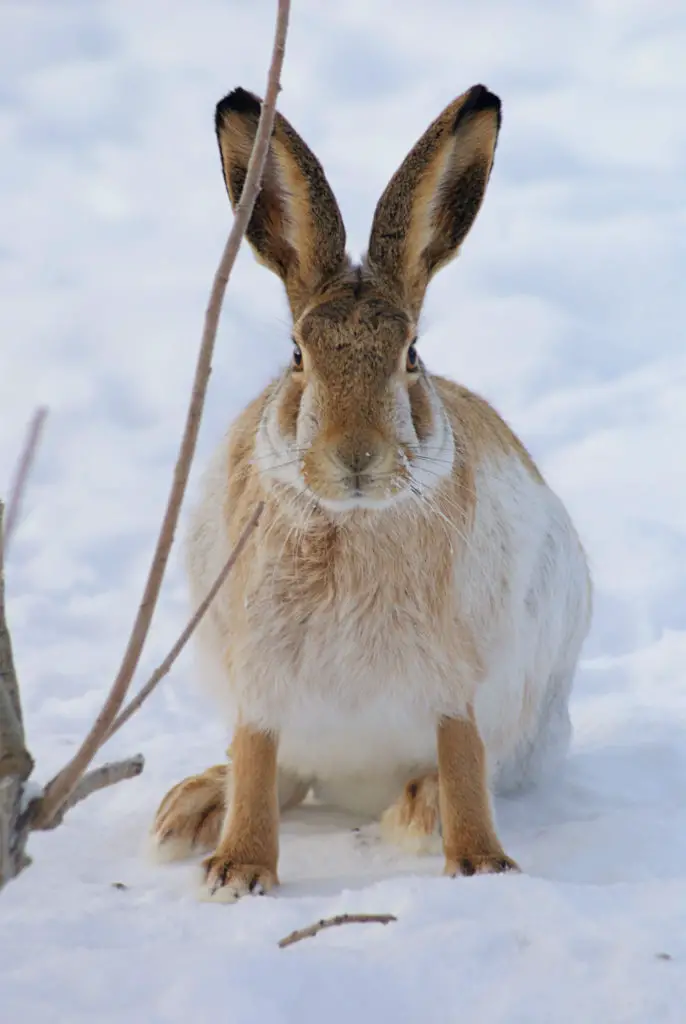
[355, 421]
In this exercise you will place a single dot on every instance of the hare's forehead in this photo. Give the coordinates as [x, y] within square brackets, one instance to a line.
[348, 329]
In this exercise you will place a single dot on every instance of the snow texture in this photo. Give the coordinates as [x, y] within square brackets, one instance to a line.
[566, 309]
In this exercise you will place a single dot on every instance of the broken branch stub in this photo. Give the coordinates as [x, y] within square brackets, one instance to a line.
[99, 778]
[16, 764]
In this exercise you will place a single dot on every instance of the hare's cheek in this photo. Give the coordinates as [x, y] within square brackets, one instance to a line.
[308, 420]
[422, 411]
[402, 416]
[289, 410]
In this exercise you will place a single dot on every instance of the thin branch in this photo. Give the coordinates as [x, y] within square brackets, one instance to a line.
[60, 787]
[333, 922]
[162, 669]
[21, 474]
[99, 778]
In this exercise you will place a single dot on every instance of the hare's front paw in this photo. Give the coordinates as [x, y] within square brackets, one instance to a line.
[226, 881]
[491, 863]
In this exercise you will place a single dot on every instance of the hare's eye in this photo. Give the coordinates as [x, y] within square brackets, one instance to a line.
[297, 358]
[412, 361]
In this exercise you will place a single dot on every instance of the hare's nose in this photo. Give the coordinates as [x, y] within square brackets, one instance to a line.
[357, 460]
[357, 455]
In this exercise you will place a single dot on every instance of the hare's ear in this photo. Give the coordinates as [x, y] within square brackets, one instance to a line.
[431, 201]
[296, 227]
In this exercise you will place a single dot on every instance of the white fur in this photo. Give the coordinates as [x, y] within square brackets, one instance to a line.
[521, 529]
[439, 446]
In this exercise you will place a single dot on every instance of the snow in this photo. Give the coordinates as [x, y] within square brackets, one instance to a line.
[566, 310]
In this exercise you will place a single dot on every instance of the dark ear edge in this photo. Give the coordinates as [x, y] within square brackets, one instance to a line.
[479, 99]
[240, 101]
[296, 228]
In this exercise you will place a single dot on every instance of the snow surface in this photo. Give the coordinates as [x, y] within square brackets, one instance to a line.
[566, 310]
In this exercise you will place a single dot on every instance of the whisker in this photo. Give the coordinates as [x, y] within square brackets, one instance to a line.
[432, 460]
[423, 498]
[250, 469]
[278, 560]
[292, 453]
[421, 449]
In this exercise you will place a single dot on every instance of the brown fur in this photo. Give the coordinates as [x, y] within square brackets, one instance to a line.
[414, 820]
[190, 816]
[248, 849]
[433, 198]
[470, 843]
[296, 228]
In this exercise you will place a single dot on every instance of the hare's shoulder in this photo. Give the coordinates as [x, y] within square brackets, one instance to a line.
[244, 486]
[481, 432]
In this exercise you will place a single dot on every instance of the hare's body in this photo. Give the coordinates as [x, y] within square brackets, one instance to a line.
[351, 646]
[403, 625]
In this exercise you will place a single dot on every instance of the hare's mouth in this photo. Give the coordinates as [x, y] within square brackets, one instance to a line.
[344, 493]
[359, 501]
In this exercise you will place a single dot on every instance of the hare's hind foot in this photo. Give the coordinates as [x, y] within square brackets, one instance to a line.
[190, 817]
[413, 822]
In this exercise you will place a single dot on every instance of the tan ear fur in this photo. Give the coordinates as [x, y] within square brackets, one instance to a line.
[433, 198]
[296, 228]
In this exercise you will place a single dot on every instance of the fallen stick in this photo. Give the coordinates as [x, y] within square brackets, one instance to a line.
[333, 922]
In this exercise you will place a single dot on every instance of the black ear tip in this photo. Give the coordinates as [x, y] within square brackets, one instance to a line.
[239, 101]
[478, 100]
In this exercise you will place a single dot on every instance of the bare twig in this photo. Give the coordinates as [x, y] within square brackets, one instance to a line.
[333, 922]
[60, 787]
[21, 475]
[99, 778]
[162, 669]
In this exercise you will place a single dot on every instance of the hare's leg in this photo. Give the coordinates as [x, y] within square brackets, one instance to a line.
[189, 819]
[470, 842]
[245, 860]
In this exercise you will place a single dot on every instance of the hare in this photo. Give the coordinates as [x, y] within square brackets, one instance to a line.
[401, 632]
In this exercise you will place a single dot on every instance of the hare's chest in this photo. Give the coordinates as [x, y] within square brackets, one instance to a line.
[352, 701]
[339, 644]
